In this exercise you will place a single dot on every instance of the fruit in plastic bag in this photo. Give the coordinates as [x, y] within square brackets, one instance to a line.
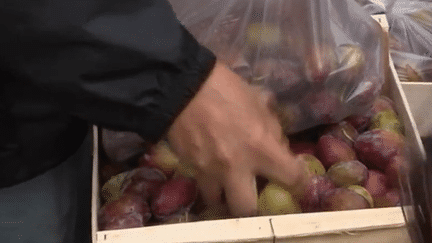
[322, 69]
[323, 107]
[129, 211]
[362, 97]
[377, 147]
[274, 200]
[242, 67]
[411, 23]
[283, 78]
[263, 71]
[348, 173]
[352, 58]
[360, 122]
[320, 62]
[264, 35]
[351, 65]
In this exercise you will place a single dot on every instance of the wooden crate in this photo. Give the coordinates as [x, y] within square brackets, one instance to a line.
[369, 225]
[419, 98]
[418, 94]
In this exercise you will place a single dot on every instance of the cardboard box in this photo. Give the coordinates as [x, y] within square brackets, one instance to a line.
[369, 225]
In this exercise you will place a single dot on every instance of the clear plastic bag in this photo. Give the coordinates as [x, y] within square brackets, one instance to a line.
[411, 67]
[410, 26]
[410, 39]
[373, 6]
[323, 59]
[120, 146]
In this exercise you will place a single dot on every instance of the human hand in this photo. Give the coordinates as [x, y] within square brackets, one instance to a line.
[229, 134]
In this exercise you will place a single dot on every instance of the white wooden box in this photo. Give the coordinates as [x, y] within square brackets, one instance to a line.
[370, 225]
[418, 94]
[419, 97]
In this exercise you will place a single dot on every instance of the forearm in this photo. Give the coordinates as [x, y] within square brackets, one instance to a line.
[128, 66]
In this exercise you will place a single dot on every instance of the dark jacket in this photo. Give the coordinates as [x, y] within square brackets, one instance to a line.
[124, 64]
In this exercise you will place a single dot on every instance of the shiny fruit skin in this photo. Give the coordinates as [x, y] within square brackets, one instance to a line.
[274, 200]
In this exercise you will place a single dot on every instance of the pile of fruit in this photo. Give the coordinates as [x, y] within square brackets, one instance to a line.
[153, 193]
[303, 74]
[354, 164]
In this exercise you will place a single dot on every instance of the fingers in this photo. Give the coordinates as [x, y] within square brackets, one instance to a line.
[210, 189]
[283, 166]
[270, 114]
[241, 195]
[269, 101]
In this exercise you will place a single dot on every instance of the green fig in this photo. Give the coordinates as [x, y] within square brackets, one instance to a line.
[267, 35]
[351, 58]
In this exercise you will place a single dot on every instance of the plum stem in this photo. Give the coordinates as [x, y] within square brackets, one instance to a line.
[260, 79]
[348, 136]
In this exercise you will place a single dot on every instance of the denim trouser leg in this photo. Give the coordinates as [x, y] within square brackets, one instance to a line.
[53, 207]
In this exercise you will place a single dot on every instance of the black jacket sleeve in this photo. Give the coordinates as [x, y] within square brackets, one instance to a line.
[127, 65]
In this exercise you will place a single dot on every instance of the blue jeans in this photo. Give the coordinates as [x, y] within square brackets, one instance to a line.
[53, 207]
